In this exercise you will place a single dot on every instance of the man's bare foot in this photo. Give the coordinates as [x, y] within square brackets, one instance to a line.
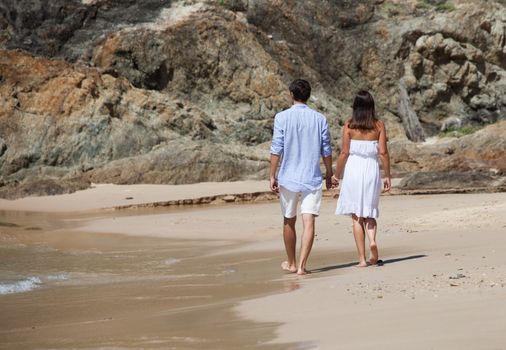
[287, 267]
[374, 254]
[361, 264]
[302, 272]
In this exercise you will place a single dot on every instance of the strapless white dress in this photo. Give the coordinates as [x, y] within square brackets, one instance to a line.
[361, 184]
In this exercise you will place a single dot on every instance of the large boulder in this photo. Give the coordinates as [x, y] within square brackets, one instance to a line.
[451, 180]
[483, 150]
[162, 91]
[74, 122]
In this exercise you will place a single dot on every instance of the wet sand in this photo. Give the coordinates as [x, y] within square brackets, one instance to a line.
[110, 290]
[209, 278]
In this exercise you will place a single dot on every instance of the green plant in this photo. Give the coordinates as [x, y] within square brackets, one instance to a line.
[391, 9]
[459, 131]
[423, 5]
[440, 7]
[445, 7]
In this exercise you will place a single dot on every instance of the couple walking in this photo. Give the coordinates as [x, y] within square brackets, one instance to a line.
[300, 137]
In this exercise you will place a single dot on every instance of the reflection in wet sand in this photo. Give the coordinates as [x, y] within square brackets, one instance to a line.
[91, 290]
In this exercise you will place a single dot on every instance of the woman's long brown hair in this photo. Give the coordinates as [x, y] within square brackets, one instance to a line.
[364, 114]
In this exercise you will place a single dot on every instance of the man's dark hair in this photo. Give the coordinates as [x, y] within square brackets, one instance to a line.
[300, 89]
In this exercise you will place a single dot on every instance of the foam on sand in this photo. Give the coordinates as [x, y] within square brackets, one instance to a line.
[25, 285]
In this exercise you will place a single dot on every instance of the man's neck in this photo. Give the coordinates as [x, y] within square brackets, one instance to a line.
[298, 103]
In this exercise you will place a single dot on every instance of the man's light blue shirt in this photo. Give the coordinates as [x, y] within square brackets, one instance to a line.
[300, 137]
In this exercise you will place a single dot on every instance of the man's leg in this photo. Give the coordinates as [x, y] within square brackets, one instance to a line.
[310, 208]
[307, 242]
[288, 201]
[290, 238]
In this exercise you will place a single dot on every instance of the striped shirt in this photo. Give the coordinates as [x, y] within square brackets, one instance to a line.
[300, 137]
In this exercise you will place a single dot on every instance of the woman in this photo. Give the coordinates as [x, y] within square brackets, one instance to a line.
[364, 141]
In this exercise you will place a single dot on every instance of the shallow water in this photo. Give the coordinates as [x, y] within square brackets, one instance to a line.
[65, 289]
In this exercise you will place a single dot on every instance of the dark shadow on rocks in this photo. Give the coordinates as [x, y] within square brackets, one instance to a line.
[68, 28]
[43, 187]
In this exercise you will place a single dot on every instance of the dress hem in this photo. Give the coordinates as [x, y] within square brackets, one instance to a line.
[355, 209]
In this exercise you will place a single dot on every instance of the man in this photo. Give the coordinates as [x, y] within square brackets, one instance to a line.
[300, 137]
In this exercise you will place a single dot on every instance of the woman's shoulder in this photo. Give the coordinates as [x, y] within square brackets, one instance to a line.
[380, 125]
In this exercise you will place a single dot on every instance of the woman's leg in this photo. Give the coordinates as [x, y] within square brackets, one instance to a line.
[358, 233]
[371, 228]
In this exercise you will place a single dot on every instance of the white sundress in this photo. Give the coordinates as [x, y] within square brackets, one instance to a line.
[361, 184]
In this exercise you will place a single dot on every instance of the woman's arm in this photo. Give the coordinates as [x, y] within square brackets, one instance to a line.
[345, 152]
[384, 156]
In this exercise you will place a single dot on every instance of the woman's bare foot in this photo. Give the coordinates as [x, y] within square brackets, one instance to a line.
[374, 254]
[302, 272]
[287, 267]
[361, 264]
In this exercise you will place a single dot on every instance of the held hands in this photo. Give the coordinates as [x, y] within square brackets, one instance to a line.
[387, 184]
[274, 185]
[331, 181]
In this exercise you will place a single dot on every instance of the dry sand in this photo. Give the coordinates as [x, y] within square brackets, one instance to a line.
[107, 196]
[443, 284]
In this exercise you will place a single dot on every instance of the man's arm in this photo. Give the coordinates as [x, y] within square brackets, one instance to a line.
[328, 173]
[277, 148]
[274, 166]
[326, 151]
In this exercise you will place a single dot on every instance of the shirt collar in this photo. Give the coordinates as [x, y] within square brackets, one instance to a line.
[299, 105]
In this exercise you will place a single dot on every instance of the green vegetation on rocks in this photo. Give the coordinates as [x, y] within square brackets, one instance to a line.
[459, 131]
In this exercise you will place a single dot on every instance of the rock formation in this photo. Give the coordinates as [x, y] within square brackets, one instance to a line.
[160, 91]
[410, 120]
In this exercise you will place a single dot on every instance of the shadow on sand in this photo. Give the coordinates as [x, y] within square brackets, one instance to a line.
[380, 263]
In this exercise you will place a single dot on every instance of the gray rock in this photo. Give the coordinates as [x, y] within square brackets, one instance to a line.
[229, 199]
[409, 118]
[447, 180]
[179, 92]
[3, 147]
[483, 101]
[451, 122]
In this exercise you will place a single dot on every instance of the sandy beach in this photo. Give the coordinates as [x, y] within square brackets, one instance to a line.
[208, 277]
[103, 196]
[442, 285]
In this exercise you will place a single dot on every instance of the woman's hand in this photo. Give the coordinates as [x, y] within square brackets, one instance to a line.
[335, 181]
[387, 184]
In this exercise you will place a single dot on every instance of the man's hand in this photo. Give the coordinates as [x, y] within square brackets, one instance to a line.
[274, 185]
[329, 181]
[328, 171]
[387, 184]
[274, 166]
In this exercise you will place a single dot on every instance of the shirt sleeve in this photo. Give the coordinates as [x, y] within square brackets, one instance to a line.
[325, 137]
[278, 137]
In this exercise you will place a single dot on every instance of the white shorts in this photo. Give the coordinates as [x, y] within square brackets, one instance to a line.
[310, 202]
